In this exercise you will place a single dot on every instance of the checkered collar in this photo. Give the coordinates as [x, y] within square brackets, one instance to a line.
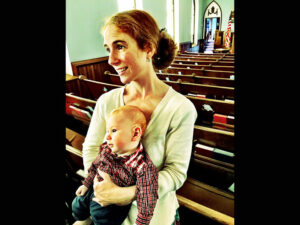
[124, 158]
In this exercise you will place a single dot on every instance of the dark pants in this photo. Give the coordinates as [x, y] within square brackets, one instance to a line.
[84, 206]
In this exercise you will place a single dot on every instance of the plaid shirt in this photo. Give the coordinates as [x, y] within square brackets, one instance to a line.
[135, 169]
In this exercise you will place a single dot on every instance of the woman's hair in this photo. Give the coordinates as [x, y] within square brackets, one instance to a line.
[142, 27]
[132, 113]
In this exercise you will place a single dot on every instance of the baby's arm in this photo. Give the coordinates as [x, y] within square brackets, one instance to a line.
[81, 190]
[147, 194]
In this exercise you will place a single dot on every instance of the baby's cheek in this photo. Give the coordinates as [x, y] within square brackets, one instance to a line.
[120, 144]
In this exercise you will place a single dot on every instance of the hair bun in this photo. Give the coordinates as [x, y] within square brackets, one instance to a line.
[166, 51]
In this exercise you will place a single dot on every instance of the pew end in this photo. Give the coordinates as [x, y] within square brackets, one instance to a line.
[205, 211]
[207, 200]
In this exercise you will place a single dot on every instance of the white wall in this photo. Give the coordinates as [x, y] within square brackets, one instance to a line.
[68, 62]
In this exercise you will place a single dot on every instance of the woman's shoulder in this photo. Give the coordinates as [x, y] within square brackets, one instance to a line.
[112, 94]
[178, 100]
[110, 100]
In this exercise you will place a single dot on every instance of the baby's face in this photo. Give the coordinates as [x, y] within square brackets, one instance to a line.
[119, 134]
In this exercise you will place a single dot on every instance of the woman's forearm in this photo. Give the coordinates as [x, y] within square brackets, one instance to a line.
[106, 192]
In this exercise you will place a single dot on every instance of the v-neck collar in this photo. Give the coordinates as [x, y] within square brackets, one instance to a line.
[157, 108]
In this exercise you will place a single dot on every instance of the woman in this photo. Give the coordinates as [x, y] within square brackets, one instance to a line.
[136, 48]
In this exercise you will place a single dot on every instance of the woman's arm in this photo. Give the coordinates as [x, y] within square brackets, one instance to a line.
[178, 149]
[94, 137]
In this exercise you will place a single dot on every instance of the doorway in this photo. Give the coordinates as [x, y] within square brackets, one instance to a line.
[211, 25]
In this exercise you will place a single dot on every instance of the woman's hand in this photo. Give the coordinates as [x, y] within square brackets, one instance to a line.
[106, 192]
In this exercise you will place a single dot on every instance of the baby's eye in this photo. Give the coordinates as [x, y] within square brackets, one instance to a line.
[114, 130]
[108, 50]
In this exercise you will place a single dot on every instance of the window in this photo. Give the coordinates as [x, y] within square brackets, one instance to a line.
[195, 19]
[173, 19]
[124, 5]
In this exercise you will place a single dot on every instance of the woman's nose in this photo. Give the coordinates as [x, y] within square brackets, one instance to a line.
[113, 59]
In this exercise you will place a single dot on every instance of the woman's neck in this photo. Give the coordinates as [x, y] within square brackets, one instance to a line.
[147, 85]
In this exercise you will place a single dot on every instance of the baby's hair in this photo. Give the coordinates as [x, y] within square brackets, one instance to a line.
[132, 113]
[142, 27]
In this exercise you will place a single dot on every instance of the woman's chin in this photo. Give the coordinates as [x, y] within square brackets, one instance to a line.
[124, 80]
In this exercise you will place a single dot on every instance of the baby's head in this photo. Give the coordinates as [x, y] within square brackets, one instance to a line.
[125, 127]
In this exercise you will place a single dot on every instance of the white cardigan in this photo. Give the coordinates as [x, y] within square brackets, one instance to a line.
[167, 139]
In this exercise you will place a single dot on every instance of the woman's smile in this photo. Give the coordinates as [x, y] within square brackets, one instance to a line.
[121, 71]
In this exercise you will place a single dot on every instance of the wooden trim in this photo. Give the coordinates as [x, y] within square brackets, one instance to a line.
[90, 61]
[214, 161]
[214, 130]
[73, 150]
[205, 211]
[103, 83]
[210, 100]
[82, 99]
[70, 77]
[212, 165]
[210, 188]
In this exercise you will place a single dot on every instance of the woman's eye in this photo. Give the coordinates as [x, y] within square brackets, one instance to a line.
[114, 130]
[120, 47]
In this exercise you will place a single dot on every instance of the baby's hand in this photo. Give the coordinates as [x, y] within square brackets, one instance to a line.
[81, 190]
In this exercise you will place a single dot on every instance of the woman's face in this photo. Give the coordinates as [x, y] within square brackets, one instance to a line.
[124, 55]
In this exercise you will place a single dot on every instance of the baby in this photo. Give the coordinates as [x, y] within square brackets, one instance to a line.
[123, 157]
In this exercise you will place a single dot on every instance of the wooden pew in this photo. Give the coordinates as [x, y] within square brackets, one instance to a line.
[208, 58]
[219, 106]
[205, 62]
[216, 81]
[97, 88]
[78, 112]
[91, 89]
[200, 72]
[214, 137]
[212, 54]
[219, 91]
[218, 204]
[211, 136]
[80, 108]
[209, 67]
[74, 142]
[222, 107]
[220, 58]
[72, 84]
[215, 165]
[202, 134]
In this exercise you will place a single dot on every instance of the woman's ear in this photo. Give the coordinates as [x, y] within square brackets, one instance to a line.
[136, 133]
[150, 50]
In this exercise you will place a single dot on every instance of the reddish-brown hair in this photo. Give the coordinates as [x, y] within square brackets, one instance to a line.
[142, 27]
[132, 113]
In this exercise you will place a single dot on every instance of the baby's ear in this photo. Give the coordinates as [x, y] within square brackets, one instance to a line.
[136, 133]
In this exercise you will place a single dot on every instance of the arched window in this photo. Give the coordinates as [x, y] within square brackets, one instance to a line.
[212, 20]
